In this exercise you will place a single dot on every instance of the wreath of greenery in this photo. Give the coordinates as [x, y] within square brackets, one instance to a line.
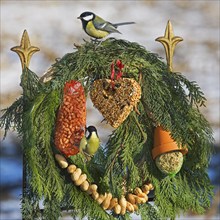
[168, 99]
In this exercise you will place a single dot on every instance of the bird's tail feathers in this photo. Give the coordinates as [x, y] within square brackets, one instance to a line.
[122, 23]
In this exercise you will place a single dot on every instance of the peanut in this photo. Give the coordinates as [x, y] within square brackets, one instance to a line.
[113, 203]
[117, 209]
[61, 161]
[135, 207]
[123, 210]
[84, 186]
[122, 201]
[81, 179]
[71, 168]
[92, 188]
[129, 207]
[101, 198]
[95, 195]
[76, 174]
[137, 191]
[131, 198]
[151, 186]
[106, 202]
[139, 200]
[123, 204]
[145, 188]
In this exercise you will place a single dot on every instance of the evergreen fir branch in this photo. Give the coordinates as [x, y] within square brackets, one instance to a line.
[30, 209]
[84, 205]
[130, 169]
[141, 129]
[54, 183]
[80, 161]
[120, 160]
[30, 204]
[52, 209]
[148, 212]
[37, 143]
[31, 153]
[126, 216]
[30, 84]
[199, 140]
[195, 95]
[12, 117]
[167, 194]
[97, 166]
[199, 183]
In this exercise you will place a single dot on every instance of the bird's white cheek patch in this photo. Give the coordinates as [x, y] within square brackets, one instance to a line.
[88, 18]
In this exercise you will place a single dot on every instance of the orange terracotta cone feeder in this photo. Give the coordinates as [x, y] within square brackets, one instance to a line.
[163, 143]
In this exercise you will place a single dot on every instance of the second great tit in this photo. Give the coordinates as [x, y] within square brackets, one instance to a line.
[97, 27]
[90, 144]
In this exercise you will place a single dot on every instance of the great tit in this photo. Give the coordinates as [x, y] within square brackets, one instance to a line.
[90, 144]
[97, 27]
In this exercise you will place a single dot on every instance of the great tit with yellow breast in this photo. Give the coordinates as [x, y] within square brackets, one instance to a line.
[97, 27]
[90, 144]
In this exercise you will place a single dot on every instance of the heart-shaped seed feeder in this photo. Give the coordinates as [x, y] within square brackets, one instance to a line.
[116, 103]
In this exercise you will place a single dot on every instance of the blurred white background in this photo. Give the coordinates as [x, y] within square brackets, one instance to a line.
[54, 28]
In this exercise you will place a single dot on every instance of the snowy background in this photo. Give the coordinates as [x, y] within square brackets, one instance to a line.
[52, 26]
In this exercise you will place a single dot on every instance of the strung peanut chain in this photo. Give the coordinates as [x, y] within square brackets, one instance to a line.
[106, 200]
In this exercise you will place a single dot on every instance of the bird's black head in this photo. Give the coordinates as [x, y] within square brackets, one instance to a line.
[87, 16]
[90, 129]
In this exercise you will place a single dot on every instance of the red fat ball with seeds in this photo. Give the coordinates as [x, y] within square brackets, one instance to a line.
[71, 119]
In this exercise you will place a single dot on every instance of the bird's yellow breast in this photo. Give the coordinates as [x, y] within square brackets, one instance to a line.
[93, 32]
[92, 144]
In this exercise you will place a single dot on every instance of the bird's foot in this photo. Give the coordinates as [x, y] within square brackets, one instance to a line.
[87, 156]
[96, 42]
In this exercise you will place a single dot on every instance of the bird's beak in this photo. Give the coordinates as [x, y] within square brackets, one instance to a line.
[79, 18]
